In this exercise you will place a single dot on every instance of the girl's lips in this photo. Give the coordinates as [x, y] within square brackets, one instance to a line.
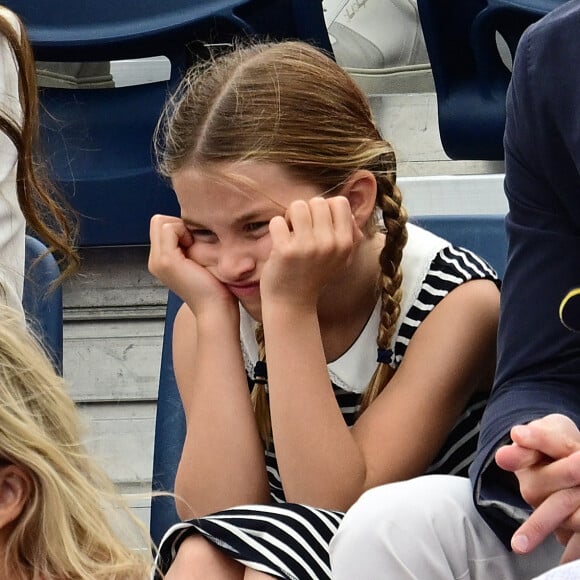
[243, 290]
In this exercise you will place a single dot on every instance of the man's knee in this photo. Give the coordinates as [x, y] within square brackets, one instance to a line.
[414, 504]
[390, 525]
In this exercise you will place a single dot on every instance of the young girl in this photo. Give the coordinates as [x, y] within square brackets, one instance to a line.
[281, 259]
[53, 521]
[27, 199]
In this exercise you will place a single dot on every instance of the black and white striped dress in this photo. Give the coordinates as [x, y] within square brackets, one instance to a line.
[289, 540]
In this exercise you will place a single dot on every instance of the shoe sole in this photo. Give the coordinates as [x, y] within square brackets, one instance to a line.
[404, 79]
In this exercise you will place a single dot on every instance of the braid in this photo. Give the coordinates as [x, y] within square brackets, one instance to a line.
[395, 218]
[260, 395]
[389, 199]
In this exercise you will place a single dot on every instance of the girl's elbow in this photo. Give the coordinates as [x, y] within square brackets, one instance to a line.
[182, 506]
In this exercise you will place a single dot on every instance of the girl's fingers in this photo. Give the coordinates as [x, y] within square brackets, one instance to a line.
[155, 234]
[317, 227]
[325, 234]
[342, 217]
[312, 228]
[168, 236]
[299, 218]
[279, 230]
[321, 214]
[158, 224]
[154, 225]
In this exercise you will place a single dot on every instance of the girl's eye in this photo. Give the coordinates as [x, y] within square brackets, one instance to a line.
[205, 235]
[257, 227]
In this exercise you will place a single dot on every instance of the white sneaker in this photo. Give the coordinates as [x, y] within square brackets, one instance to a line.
[380, 43]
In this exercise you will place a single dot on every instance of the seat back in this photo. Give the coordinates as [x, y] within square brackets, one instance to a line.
[483, 234]
[470, 76]
[42, 302]
[98, 142]
[169, 432]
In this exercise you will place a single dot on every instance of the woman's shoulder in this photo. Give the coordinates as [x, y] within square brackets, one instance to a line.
[9, 74]
[11, 18]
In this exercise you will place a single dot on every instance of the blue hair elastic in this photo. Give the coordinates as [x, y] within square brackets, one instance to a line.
[385, 356]
[261, 373]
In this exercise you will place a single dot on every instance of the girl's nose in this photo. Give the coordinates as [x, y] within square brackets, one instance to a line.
[235, 264]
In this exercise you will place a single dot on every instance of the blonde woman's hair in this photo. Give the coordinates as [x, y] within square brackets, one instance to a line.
[290, 104]
[65, 530]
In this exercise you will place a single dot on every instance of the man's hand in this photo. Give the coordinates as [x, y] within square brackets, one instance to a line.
[545, 457]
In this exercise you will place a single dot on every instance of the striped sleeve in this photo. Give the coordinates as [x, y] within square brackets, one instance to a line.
[451, 267]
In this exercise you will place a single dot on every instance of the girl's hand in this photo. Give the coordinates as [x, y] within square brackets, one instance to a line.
[171, 262]
[313, 243]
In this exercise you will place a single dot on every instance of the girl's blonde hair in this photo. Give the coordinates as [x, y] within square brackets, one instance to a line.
[46, 211]
[65, 530]
[288, 103]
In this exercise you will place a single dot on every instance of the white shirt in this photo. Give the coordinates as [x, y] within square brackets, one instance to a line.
[12, 223]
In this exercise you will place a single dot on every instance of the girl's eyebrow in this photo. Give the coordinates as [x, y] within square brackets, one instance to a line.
[192, 224]
[244, 218]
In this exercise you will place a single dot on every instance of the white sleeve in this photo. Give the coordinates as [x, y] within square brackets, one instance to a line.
[12, 223]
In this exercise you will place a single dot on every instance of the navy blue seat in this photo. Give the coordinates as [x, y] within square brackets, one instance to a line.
[169, 432]
[470, 77]
[42, 301]
[98, 141]
[484, 234]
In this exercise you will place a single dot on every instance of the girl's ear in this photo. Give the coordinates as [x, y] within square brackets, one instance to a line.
[361, 192]
[15, 489]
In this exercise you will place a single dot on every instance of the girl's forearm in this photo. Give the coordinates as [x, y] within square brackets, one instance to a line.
[222, 462]
[319, 461]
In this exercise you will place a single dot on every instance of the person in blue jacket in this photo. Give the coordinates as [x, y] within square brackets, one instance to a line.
[528, 458]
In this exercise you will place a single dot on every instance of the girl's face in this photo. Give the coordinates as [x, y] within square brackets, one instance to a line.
[229, 220]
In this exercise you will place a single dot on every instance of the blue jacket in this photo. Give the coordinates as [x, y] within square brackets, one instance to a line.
[538, 358]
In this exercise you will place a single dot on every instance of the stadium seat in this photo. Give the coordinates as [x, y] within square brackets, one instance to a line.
[98, 141]
[483, 234]
[470, 75]
[41, 300]
[169, 432]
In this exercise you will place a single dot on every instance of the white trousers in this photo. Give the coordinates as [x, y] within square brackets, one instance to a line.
[427, 529]
[570, 571]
